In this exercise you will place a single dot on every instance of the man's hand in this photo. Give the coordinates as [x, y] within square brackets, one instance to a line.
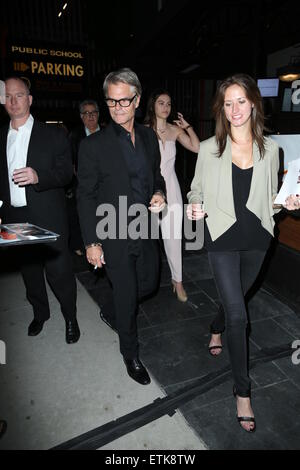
[195, 211]
[292, 202]
[95, 256]
[157, 203]
[25, 176]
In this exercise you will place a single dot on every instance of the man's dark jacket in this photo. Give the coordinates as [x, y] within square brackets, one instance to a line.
[103, 176]
[49, 154]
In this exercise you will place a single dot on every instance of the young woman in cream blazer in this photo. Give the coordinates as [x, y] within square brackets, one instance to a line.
[236, 177]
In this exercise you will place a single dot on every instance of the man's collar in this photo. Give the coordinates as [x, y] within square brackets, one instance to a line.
[120, 130]
[88, 132]
[28, 124]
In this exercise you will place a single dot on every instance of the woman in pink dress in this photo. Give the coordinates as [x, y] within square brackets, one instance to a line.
[158, 112]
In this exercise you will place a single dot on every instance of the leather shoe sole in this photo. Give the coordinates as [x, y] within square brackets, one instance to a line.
[72, 332]
[137, 371]
[35, 328]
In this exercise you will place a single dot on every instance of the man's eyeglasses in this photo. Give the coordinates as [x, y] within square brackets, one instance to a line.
[90, 113]
[123, 102]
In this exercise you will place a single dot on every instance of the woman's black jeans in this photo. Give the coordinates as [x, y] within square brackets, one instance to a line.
[234, 273]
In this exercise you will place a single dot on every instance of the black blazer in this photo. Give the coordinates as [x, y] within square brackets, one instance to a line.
[103, 177]
[76, 136]
[49, 154]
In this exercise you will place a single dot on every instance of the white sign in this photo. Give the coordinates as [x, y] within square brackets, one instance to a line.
[291, 184]
[290, 145]
[2, 92]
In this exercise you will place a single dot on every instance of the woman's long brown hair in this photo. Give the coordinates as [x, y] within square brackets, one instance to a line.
[223, 128]
[150, 118]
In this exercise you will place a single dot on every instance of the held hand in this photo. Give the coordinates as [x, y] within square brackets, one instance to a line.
[25, 176]
[181, 122]
[95, 256]
[157, 203]
[195, 212]
[292, 202]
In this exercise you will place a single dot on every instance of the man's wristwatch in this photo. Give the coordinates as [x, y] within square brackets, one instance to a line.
[92, 244]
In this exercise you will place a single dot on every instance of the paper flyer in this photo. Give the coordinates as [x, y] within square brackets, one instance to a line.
[291, 183]
[22, 234]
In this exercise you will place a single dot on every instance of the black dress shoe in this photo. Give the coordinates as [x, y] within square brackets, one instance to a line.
[103, 318]
[137, 371]
[35, 327]
[72, 331]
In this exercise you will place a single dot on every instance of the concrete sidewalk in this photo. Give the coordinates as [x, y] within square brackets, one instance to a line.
[52, 392]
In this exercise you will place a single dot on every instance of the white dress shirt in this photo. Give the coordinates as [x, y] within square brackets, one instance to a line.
[88, 132]
[16, 151]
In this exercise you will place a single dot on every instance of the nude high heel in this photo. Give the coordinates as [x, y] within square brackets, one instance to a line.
[181, 296]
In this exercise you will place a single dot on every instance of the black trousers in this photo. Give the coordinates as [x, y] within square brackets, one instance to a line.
[132, 280]
[52, 260]
[55, 262]
[234, 273]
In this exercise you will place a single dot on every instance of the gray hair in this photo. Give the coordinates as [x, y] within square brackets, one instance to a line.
[87, 102]
[124, 75]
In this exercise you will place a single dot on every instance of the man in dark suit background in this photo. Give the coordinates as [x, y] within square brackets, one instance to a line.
[89, 114]
[35, 165]
[122, 160]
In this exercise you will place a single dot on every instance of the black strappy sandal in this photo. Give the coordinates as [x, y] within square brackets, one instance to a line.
[245, 419]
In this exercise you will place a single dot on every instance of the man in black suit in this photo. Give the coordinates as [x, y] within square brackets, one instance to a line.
[35, 165]
[89, 114]
[122, 161]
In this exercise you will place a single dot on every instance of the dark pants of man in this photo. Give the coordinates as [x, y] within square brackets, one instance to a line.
[234, 273]
[135, 278]
[53, 260]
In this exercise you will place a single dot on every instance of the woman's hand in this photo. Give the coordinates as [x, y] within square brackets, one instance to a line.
[292, 202]
[195, 211]
[157, 203]
[181, 122]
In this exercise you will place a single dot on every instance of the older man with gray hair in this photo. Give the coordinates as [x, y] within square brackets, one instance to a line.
[122, 162]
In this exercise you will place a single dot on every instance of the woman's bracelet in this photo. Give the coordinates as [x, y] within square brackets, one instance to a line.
[92, 244]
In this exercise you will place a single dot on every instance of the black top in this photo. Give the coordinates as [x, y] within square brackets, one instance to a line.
[246, 233]
[136, 162]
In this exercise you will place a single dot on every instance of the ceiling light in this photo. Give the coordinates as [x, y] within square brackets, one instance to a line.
[289, 77]
[289, 72]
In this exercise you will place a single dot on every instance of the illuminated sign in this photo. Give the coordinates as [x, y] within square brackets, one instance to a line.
[46, 52]
[43, 67]
[65, 66]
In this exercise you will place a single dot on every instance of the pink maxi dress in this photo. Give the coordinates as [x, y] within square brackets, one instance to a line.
[171, 222]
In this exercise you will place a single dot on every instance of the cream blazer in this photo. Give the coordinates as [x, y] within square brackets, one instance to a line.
[213, 182]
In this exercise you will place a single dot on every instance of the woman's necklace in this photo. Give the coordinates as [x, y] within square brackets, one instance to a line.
[163, 130]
